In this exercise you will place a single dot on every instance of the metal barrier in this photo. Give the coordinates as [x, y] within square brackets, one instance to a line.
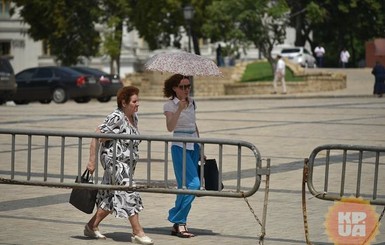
[337, 171]
[55, 158]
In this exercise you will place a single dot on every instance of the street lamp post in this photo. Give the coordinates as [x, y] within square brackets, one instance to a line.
[188, 13]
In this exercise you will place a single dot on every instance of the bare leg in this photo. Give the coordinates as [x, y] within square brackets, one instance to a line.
[283, 85]
[275, 83]
[97, 218]
[91, 229]
[137, 231]
[135, 225]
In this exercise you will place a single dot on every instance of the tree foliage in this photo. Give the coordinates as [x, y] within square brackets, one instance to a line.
[67, 26]
[337, 24]
[244, 22]
[157, 21]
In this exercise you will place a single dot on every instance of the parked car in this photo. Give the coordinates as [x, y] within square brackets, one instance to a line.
[110, 83]
[7, 81]
[299, 55]
[59, 84]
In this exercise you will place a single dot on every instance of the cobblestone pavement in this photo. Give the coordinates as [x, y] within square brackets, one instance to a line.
[285, 128]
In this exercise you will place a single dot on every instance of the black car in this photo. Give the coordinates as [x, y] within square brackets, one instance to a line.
[59, 84]
[110, 83]
[7, 81]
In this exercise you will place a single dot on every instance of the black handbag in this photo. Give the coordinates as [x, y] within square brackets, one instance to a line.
[211, 175]
[84, 199]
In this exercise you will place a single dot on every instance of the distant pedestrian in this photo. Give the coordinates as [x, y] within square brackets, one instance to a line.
[220, 61]
[319, 55]
[344, 58]
[379, 77]
[279, 75]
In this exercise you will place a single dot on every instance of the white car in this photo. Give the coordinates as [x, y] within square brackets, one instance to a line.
[299, 55]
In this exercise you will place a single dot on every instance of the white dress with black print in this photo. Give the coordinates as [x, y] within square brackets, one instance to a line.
[122, 203]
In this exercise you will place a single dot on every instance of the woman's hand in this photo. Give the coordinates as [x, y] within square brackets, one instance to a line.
[183, 104]
[91, 166]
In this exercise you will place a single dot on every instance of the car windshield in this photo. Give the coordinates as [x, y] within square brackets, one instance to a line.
[290, 50]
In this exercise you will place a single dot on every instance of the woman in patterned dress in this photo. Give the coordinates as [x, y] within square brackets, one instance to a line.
[123, 204]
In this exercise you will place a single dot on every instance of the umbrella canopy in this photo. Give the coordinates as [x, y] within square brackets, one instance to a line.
[184, 63]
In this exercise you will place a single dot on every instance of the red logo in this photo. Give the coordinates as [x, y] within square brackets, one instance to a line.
[351, 221]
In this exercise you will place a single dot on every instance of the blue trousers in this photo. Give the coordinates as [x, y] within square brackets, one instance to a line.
[178, 214]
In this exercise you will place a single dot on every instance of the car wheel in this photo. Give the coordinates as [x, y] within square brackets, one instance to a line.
[59, 95]
[82, 100]
[21, 102]
[104, 99]
[45, 101]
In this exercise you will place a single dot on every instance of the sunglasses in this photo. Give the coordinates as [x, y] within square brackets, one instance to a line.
[184, 87]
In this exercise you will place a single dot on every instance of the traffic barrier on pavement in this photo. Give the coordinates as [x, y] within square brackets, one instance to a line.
[338, 172]
[56, 158]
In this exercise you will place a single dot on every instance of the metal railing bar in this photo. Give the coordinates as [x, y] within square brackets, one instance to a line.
[326, 181]
[239, 169]
[166, 163]
[113, 162]
[97, 152]
[62, 151]
[359, 169]
[13, 156]
[184, 166]
[149, 162]
[131, 172]
[201, 166]
[220, 164]
[29, 157]
[128, 188]
[45, 157]
[375, 181]
[119, 136]
[343, 172]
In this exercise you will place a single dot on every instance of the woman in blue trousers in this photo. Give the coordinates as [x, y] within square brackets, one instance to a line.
[180, 119]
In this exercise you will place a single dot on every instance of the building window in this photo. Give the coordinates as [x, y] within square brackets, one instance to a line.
[5, 47]
[4, 8]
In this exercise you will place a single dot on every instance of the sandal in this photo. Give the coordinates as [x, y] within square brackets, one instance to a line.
[176, 231]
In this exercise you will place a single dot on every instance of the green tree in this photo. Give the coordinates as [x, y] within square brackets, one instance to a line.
[161, 23]
[244, 22]
[337, 24]
[67, 26]
[157, 21]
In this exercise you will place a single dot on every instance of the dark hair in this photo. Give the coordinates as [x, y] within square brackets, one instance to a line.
[170, 83]
[124, 94]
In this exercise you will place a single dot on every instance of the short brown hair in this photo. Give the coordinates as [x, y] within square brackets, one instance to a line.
[124, 94]
[170, 83]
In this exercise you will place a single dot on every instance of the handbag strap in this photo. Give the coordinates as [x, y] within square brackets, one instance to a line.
[86, 174]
